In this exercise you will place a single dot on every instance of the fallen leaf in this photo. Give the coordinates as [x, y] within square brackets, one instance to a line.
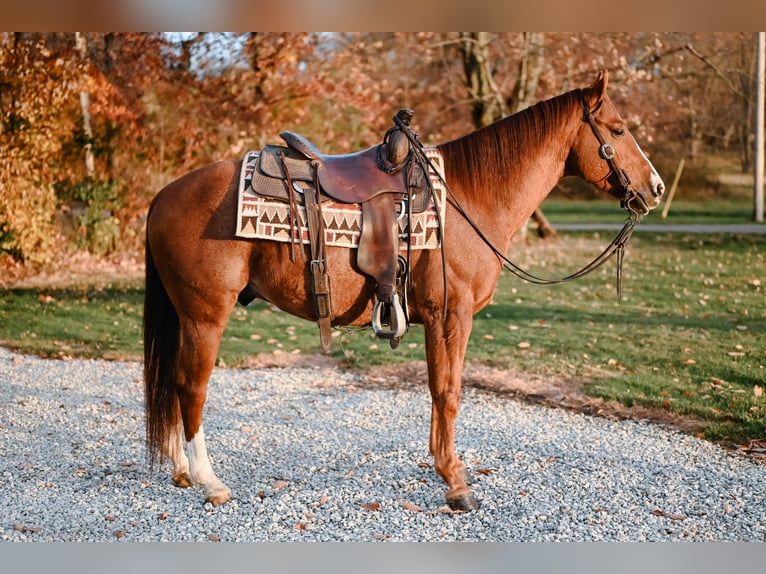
[488, 338]
[412, 507]
[424, 465]
[26, 529]
[374, 506]
[300, 526]
[524, 345]
[164, 515]
[280, 484]
[690, 362]
[485, 471]
[671, 515]
[323, 500]
[758, 390]
[119, 533]
[214, 538]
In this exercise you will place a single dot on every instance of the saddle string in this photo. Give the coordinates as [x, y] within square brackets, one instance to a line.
[293, 211]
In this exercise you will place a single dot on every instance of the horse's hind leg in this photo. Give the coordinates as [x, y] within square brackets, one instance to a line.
[199, 347]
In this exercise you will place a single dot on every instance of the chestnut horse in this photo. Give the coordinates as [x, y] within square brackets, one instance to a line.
[196, 268]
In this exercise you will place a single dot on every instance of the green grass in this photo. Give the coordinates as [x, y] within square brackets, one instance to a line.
[73, 322]
[689, 336]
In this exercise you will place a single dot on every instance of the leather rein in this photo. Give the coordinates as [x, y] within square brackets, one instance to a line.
[617, 246]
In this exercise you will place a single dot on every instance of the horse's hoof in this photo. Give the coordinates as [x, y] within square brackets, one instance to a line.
[219, 497]
[464, 502]
[182, 480]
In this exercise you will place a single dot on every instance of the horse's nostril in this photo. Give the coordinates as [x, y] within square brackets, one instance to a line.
[659, 189]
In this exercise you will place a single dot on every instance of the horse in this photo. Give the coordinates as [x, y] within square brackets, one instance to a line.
[499, 174]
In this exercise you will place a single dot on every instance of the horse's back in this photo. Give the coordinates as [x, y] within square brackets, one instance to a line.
[204, 186]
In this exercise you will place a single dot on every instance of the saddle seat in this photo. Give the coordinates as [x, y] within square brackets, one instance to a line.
[347, 178]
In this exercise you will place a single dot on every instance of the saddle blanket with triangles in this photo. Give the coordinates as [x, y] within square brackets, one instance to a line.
[260, 217]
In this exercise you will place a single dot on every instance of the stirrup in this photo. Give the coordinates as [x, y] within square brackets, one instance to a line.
[397, 326]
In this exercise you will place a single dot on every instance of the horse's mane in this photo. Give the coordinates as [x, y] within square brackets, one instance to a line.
[483, 159]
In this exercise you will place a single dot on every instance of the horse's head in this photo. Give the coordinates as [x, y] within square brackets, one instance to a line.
[606, 155]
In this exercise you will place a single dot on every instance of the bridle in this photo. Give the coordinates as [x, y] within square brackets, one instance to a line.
[607, 153]
[617, 246]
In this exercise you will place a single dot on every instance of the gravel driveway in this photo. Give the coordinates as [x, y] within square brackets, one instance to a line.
[312, 454]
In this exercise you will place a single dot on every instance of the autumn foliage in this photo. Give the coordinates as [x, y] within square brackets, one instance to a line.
[159, 105]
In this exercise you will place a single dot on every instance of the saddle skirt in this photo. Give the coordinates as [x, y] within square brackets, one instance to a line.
[263, 212]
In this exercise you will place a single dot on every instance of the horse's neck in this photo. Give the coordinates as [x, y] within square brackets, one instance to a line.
[519, 161]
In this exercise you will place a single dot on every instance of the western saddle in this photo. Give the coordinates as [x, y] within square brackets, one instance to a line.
[389, 181]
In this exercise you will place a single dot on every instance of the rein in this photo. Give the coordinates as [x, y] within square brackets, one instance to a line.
[617, 246]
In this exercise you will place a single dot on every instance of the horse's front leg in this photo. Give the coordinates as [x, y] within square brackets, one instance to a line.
[446, 342]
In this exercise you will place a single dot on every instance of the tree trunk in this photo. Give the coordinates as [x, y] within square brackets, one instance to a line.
[530, 68]
[488, 103]
[90, 162]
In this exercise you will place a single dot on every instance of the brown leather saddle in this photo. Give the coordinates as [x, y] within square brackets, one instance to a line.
[385, 180]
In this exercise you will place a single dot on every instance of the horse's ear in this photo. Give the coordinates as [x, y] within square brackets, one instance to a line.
[598, 89]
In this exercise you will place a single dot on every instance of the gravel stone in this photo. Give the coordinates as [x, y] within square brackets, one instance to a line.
[312, 455]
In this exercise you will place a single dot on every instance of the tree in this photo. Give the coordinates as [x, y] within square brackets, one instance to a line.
[35, 84]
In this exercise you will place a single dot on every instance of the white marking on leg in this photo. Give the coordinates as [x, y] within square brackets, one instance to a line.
[175, 451]
[202, 473]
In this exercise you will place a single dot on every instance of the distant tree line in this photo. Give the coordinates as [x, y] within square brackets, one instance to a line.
[93, 124]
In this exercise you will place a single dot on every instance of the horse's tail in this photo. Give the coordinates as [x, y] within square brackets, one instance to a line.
[162, 336]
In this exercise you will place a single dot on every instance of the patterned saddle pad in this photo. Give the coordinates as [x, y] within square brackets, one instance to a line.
[260, 217]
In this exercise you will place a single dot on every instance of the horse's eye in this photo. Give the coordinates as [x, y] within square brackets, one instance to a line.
[618, 133]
